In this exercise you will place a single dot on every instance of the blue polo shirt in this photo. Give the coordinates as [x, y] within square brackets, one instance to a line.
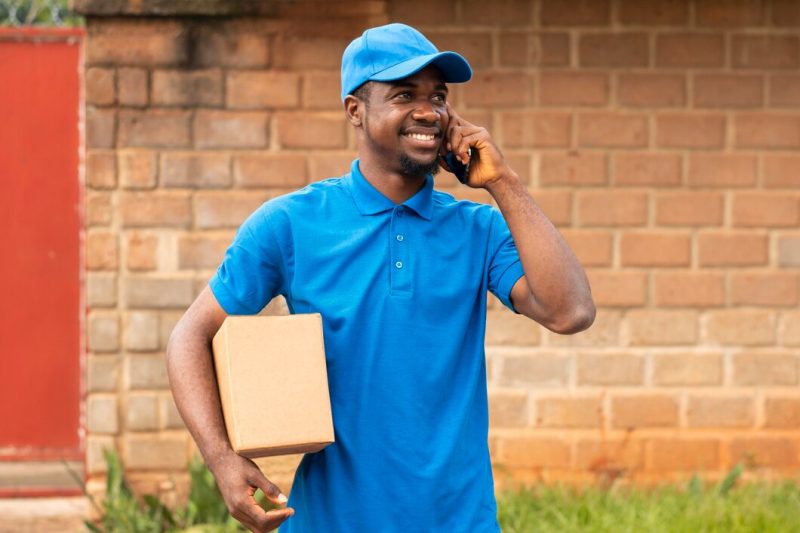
[402, 292]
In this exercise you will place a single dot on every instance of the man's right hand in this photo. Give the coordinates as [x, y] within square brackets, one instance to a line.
[238, 478]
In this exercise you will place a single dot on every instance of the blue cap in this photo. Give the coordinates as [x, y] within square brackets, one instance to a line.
[393, 52]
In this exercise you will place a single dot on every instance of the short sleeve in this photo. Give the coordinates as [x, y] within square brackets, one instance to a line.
[252, 272]
[505, 267]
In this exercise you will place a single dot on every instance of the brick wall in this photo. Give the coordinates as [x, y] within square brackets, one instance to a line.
[661, 138]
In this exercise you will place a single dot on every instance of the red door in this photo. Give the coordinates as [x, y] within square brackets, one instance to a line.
[40, 245]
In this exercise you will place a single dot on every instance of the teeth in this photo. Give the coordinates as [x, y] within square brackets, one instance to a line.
[421, 136]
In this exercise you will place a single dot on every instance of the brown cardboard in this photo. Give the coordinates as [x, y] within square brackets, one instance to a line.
[273, 384]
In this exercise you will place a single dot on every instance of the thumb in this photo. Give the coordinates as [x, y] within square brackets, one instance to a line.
[270, 490]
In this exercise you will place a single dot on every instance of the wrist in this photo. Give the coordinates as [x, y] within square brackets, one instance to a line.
[503, 179]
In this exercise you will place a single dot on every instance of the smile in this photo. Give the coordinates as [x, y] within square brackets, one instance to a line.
[420, 136]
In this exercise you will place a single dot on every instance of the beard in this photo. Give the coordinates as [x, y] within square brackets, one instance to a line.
[410, 167]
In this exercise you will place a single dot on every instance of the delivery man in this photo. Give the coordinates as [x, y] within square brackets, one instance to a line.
[400, 273]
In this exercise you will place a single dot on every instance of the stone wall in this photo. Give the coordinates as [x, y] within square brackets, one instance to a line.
[661, 138]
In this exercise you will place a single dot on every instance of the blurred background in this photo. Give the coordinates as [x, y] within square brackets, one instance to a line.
[661, 137]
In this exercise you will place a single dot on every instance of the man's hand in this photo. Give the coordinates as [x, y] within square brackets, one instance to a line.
[238, 478]
[486, 162]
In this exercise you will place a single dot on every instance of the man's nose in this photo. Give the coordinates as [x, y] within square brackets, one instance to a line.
[425, 112]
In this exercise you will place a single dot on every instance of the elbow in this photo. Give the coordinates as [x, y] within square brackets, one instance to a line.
[578, 319]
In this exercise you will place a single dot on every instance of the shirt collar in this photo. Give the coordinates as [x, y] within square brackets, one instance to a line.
[370, 201]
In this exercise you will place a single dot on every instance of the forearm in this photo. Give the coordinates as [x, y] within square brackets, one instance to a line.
[194, 387]
[560, 297]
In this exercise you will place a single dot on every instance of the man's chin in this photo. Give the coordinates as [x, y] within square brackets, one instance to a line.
[413, 167]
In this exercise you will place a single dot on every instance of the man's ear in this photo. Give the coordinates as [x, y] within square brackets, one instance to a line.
[354, 109]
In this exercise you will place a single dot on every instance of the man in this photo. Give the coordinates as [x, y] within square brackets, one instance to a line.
[399, 273]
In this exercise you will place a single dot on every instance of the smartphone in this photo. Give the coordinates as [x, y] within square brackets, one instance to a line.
[459, 169]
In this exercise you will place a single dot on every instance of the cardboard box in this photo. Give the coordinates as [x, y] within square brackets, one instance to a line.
[273, 384]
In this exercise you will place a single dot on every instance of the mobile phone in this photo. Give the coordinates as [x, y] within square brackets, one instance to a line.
[459, 169]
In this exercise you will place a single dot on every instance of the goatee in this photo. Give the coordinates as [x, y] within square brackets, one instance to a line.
[409, 167]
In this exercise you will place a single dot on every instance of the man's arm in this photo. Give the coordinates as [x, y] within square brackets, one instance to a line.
[194, 387]
[554, 291]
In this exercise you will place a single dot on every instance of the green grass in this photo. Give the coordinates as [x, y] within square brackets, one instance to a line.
[723, 508]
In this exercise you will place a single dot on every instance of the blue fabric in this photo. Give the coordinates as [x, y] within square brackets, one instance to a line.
[393, 52]
[402, 293]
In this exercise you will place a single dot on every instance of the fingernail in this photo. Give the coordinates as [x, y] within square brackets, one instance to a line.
[282, 498]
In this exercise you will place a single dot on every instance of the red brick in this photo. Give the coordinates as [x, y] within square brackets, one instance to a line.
[720, 412]
[102, 251]
[655, 249]
[722, 170]
[533, 129]
[231, 47]
[778, 452]
[498, 89]
[270, 170]
[246, 89]
[616, 369]
[149, 452]
[508, 409]
[683, 454]
[767, 130]
[148, 292]
[556, 205]
[201, 251]
[613, 50]
[475, 46]
[766, 209]
[225, 209]
[789, 250]
[608, 456]
[687, 369]
[641, 169]
[575, 12]
[722, 13]
[195, 170]
[187, 88]
[689, 289]
[765, 51]
[782, 413]
[304, 130]
[781, 171]
[593, 248]
[158, 128]
[521, 163]
[327, 165]
[321, 90]
[650, 411]
[534, 452]
[571, 412]
[503, 12]
[545, 49]
[612, 130]
[142, 251]
[99, 84]
[100, 127]
[422, 12]
[231, 129]
[612, 208]
[573, 89]
[98, 209]
[573, 169]
[741, 327]
[728, 90]
[661, 327]
[784, 90]
[101, 169]
[136, 42]
[539, 369]
[654, 12]
[790, 328]
[132, 87]
[765, 368]
[155, 209]
[138, 169]
[689, 50]
[785, 13]
[504, 328]
[732, 249]
[693, 130]
[302, 52]
[651, 90]
[697, 208]
[618, 289]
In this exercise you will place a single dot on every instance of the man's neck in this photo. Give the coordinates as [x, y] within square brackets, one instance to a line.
[391, 183]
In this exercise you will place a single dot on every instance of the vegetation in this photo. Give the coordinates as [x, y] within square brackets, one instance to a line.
[37, 13]
[726, 507]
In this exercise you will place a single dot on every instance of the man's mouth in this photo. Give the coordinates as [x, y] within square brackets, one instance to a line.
[421, 136]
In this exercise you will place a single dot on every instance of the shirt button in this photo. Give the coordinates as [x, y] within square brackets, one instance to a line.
[400, 237]
[400, 212]
[399, 264]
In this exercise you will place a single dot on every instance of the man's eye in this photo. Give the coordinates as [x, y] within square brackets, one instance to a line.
[404, 96]
[439, 98]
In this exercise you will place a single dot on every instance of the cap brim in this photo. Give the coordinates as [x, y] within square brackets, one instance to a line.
[454, 67]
